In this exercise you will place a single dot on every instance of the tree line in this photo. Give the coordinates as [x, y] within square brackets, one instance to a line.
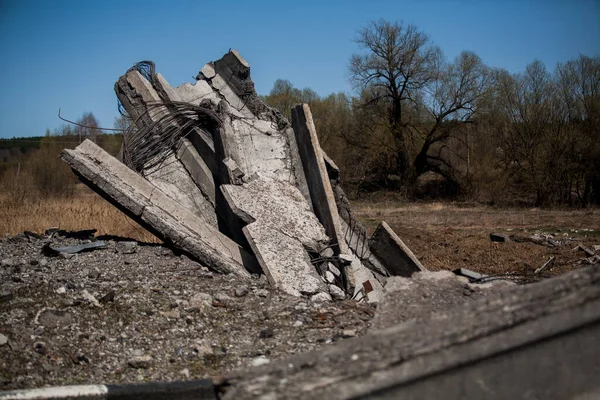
[427, 126]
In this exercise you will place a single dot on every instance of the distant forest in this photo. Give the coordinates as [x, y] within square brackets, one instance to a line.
[418, 124]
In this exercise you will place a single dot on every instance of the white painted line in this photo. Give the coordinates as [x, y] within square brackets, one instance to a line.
[59, 392]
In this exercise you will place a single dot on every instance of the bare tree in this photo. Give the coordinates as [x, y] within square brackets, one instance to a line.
[426, 100]
[89, 129]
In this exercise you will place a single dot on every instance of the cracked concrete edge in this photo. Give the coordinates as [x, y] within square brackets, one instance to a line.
[148, 204]
[396, 257]
[506, 334]
[315, 171]
[197, 169]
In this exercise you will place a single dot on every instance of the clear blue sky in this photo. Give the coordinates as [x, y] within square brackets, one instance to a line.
[68, 54]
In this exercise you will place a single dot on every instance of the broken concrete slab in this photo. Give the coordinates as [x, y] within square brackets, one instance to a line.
[315, 172]
[491, 348]
[156, 161]
[197, 169]
[428, 293]
[156, 211]
[280, 229]
[397, 258]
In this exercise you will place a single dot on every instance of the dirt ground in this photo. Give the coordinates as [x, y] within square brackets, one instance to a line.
[139, 312]
[450, 236]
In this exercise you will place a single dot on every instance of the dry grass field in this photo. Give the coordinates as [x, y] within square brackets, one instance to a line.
[449, 235]
[442, 235]
[86, 210]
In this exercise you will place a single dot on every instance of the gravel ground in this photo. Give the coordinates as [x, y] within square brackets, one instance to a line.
[135, 312]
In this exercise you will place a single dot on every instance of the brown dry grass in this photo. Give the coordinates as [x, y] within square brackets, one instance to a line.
[442, 235]
[85, 210]
[449, 236]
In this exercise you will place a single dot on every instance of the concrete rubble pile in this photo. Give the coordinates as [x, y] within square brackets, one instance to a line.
[213, 171]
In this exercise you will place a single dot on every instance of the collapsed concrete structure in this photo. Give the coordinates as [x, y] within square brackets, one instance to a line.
[215, 172]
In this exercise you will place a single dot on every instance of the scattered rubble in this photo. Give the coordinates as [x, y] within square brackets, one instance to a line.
[214, 172]
[153, 301]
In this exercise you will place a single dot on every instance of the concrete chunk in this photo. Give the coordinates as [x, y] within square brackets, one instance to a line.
[197, 168]
[281, 228]
[396, 257]
[156, 211]
[315, 171]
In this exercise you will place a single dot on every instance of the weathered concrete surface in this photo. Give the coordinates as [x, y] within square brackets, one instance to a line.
[198, 170]
[281, 228]
[397, 258]
[364, 282]
[428, 293]
[175, 181]
[136, 93]
[147, 204]
[537, 341]
[315, 171]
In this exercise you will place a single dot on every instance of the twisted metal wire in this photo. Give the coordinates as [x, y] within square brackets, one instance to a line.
[147, 145]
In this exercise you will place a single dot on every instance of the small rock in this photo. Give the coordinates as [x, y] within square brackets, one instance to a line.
[185, 372]
[202, 348]
[66, 256]
[321, 297]
[261, 360]
[61, 290]
[6, 295]
[329, 277]
[3, 339]
[262, 292]
[327, 253]
[336, 292]
[6, 263]
[298, 323]
[201, 301]
[348, 333]
[127, 247]
[33, 262]
[140, 362]
[266, 333]
[110, 296]
[222, 298]
[173, 314]
[43, 263]
[240, 291]
[40, 347]
[89, 297]
[334, 270]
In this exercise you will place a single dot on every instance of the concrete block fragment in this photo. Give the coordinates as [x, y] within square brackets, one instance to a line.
[208, 71]
[153, 209]
[205, 146]
[336, 292]
[364, 282]
[284, 260]
[175, 181]
[168, 90]
[395, 256]
[499, 237]
[197, 168]
[194, 94]
[236, 175]
[315, 171]
[281, 228]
